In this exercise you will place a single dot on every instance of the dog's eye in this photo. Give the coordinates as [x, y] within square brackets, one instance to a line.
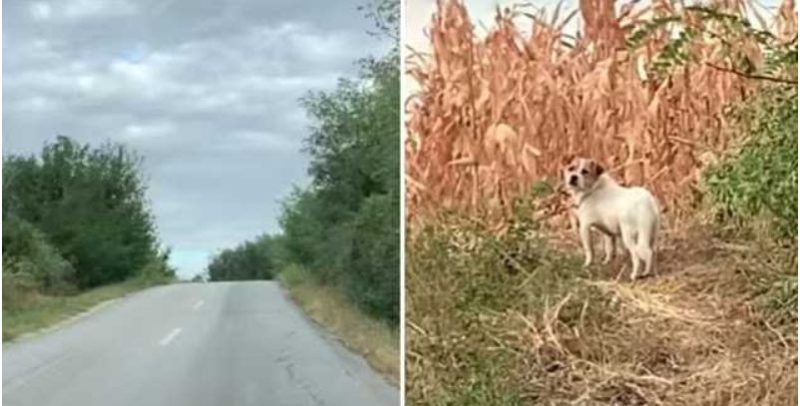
[571, 168]
[584, 171]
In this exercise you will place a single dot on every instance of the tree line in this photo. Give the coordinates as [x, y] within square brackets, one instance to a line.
[76, 217]
[249, 260]
[344, 228]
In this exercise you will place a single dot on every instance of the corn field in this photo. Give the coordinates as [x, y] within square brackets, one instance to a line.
[495, 114]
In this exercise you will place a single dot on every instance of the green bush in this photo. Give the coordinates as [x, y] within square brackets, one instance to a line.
[157, 271]
[760, 176]
[466, 285]
[779, 299]
[373, 281]
[295, 275]
[19, 285]
[758, 181]
[29, 257]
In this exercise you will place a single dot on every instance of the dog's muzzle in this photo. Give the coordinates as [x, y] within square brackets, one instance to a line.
[573, 180]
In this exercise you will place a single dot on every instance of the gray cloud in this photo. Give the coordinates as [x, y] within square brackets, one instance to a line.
[205, 91]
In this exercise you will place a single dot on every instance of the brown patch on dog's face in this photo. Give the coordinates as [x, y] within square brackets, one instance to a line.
[596, 168]
[581, 174]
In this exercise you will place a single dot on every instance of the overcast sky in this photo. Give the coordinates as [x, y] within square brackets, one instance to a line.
[205, 90]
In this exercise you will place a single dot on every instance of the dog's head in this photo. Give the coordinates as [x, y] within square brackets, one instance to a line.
[580, 174]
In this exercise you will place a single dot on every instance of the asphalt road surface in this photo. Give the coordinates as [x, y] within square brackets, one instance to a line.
[220, 344]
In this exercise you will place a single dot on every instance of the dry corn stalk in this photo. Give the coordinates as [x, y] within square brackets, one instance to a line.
[496, 114]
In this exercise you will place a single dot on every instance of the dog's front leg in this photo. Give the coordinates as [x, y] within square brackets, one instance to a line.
[610, 245]
[587, 243]
[573, 222]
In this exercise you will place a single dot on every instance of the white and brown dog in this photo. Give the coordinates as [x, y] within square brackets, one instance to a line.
[601, 203]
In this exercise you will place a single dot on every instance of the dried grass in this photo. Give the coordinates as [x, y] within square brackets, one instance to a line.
[549, 333]
[495, 114]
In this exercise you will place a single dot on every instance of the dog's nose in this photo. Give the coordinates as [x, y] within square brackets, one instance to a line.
[573, 180]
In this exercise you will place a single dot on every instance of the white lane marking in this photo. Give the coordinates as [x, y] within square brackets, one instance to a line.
[198, 305]
[171, 336]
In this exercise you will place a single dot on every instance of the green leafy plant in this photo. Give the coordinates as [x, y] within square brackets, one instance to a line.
[760, 176]
[32, 262]
[295, 275]
[705, 24]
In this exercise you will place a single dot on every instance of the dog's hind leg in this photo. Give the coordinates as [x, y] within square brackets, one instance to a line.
[630, 243]
[610, 245]
[645, 247]
[644, 252]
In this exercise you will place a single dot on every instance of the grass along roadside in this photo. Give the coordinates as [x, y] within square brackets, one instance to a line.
[374, 340]
[43, 311]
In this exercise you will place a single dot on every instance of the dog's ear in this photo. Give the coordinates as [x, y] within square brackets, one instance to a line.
[597, 168]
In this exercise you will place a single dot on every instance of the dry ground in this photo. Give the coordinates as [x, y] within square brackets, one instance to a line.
[716, 327]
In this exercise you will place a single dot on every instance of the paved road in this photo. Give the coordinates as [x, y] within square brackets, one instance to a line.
[210, 344]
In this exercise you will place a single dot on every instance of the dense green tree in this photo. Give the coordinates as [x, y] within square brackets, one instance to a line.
[89, 204]
[247, 261]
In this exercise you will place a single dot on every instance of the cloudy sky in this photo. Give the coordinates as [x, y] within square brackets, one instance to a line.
[205, 90]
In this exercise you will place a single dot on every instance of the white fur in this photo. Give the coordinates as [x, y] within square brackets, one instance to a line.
[617, 211]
